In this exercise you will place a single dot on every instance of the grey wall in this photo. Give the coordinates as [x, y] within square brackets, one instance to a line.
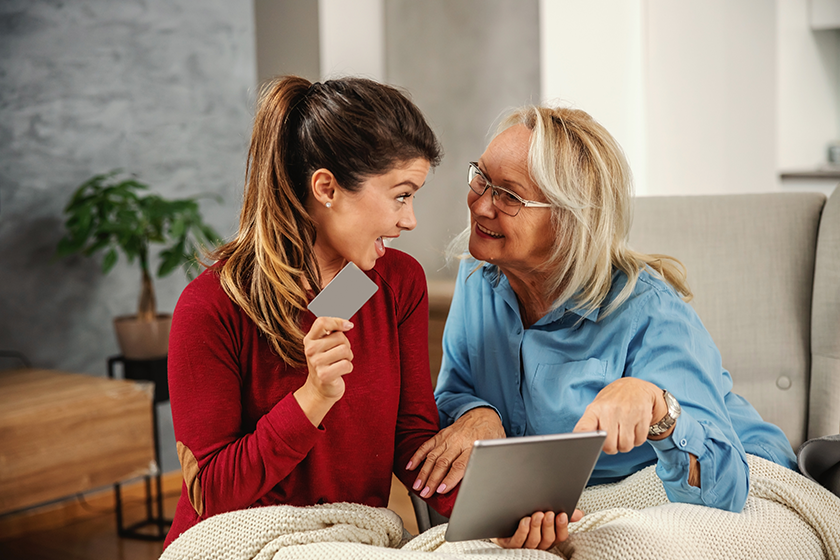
[464, 62]
[287, 39]
[163, 89]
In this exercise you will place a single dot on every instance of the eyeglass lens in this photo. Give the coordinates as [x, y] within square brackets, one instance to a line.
[502, 199]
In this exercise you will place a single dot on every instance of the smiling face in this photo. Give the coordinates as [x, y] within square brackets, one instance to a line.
[356, 224]
[519, 244]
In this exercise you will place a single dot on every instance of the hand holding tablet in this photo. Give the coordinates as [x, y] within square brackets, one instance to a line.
[508, 479]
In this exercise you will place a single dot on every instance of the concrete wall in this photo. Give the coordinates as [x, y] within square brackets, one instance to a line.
[464, 64]
[163, 89]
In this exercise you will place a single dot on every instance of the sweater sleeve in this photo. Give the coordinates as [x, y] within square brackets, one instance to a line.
[417, 420]
[226, 465]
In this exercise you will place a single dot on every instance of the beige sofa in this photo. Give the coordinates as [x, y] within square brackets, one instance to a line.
[765, 271]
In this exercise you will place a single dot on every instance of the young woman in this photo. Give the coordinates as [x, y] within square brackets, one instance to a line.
[271, 405]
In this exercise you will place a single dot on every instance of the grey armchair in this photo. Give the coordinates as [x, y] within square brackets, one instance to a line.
[765, 271]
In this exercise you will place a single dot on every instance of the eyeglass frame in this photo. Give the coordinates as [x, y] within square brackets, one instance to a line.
[488, 184]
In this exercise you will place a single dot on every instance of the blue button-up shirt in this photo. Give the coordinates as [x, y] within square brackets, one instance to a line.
[541, 379]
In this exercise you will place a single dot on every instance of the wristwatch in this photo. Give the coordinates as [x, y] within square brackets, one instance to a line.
[670, 419]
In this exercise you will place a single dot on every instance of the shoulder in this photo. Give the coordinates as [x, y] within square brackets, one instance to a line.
[206, 284]
[205, 295]
[653, 301]
[473, 272]
[648, 286]
[399, 273]
[651, 296]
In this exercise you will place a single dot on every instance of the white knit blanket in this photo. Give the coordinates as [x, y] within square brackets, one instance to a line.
[786, 516]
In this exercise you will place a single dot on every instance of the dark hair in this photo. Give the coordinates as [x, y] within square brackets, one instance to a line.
[357, 129]
[354, 127]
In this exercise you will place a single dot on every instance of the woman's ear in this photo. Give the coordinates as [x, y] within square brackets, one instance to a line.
[323, 186]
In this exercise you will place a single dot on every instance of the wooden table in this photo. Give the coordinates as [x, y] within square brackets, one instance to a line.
[66, 433]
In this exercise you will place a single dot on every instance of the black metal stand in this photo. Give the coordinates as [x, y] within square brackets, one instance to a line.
[146, 370]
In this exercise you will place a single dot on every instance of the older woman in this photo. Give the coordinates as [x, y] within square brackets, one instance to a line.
[556, 325]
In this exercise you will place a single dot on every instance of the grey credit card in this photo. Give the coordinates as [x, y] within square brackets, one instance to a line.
[344, 295]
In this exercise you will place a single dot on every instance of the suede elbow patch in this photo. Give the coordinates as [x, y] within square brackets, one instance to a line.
[189, 470]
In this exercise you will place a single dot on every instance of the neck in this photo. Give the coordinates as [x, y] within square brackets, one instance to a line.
[530, 289]
[330, 263]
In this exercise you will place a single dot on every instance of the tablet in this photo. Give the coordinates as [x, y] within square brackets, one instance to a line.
[508, 479]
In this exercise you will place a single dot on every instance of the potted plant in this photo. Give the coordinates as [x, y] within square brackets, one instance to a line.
[113, 213]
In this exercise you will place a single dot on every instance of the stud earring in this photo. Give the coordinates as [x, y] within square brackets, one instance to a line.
[328, 205]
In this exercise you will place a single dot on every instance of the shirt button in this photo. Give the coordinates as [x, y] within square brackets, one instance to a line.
[683, 442]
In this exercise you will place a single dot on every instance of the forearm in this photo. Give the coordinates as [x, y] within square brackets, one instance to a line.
[698, 465]
[235, 474]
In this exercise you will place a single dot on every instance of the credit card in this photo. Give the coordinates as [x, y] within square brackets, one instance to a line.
[344, 295]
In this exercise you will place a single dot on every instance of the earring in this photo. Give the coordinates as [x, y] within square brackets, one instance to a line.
[328, 205]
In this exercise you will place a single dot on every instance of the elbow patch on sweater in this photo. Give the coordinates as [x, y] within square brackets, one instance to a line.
[189, 470]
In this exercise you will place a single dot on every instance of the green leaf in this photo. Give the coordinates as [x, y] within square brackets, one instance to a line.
[109, 261]
[116, 212]
[178, 228]
[171, 259]
[68, 246]
[210, 235]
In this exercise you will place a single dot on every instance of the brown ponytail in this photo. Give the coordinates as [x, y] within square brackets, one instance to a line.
[354, 127]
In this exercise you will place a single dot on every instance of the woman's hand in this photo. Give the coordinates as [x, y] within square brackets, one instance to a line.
[625, 409]
[328, 358]
[447, 453]
[541, 530]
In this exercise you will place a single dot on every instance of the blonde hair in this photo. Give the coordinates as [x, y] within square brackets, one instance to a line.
[354, 127]
[582, 172]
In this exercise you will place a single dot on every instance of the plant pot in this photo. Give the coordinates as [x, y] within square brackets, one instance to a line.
[143, 340]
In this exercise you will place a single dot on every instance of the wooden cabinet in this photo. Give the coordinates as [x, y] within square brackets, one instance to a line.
[65, 433]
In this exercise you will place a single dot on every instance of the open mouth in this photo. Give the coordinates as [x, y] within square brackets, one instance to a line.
[487, 232]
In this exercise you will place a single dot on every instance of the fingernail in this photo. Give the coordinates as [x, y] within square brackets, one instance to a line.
[564, 518]
[441, 488]
[425, 492]
[408, 466]
[417, 484]
[348, 325]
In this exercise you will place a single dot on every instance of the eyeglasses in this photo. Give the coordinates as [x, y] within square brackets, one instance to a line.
[508, 202]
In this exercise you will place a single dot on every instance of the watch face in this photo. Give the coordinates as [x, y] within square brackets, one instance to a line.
[670, 418]
[674, 408]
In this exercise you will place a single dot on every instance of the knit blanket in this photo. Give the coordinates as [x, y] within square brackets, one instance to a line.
[786, 516]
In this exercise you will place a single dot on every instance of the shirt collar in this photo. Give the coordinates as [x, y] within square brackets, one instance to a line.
[502, 287]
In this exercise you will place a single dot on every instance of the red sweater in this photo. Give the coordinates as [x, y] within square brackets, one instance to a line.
[244, 441]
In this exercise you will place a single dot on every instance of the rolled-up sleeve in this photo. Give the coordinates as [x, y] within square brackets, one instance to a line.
[671, 349]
